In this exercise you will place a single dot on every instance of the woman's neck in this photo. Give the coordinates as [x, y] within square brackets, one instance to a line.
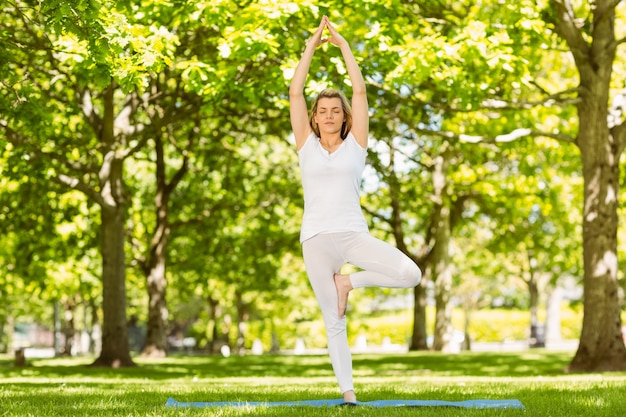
[330, 139]
[331, 142]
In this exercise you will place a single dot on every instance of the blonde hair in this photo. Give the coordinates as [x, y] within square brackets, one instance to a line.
[345, 104]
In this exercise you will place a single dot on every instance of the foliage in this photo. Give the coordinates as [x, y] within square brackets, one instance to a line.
[445, 79]
[488, 325]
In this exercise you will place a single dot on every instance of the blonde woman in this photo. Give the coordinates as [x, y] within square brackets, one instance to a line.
[332, 147]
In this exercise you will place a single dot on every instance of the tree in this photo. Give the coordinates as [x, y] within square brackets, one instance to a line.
[397, 209]
[432, 78]
[78, 87]
[226, 41]
[601, 139]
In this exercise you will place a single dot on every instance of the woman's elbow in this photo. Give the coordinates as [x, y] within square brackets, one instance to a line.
[359, 90]
[296, 88]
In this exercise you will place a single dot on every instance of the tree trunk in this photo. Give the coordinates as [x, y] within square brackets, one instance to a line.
[240, 344]
[3, 346]
[533, 295]
[69, 327]
[57, 329]
[442, 273]
[440, 257]
[156, 331]
[155, 270]
[275, 348]
[95, 344]
[156, 281]
[467, 341]
[115, 345]
[419, 334]
[10, 333]
[537, 329]
[601, 345]
[537, 334]
[419, 338]
[212, 323]
[553, 316]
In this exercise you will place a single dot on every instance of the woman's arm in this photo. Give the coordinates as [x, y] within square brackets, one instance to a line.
[297, 103]
[360, 109]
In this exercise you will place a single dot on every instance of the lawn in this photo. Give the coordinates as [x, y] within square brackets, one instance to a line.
[66, 387]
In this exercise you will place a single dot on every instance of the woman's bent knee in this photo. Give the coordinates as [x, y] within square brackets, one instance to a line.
[412, 274]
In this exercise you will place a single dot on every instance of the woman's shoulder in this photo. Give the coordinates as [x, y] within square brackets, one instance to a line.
[350, 139]
[311, 139]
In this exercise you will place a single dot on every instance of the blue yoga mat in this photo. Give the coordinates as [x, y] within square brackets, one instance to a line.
[377, 403]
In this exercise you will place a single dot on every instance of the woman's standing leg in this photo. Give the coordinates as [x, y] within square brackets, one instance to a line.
[322, 260]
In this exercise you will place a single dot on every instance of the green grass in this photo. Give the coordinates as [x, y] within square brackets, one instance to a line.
[66, 387]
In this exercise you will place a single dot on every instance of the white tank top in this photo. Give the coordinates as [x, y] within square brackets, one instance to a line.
[332, 185]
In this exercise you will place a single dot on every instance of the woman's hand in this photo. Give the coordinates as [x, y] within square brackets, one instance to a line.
[335, 38]
[317, 38]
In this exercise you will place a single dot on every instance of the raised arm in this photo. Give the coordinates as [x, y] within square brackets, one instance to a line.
[360, 109]
[297, 103]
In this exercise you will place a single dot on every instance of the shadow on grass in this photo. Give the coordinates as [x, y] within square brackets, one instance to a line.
[597, 398]
[518, 364]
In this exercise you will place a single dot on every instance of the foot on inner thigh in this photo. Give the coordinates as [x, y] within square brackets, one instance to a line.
[344, 286]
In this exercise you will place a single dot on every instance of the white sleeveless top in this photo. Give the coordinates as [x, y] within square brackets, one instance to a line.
[332, 184]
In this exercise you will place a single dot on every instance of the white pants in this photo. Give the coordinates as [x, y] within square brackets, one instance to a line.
[382, 265]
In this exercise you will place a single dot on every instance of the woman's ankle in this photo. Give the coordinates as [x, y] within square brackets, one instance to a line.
[349, 396]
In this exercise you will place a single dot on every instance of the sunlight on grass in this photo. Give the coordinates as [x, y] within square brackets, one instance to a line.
[66, 387]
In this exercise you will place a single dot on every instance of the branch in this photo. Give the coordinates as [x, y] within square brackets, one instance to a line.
[415, 159]
[138, 260]
[559, 98]
[567, 26]
[377, 216]
[76, 184]
[509, 137]
[566, 97]
[71, 165]
[42, 43]
[15, 138]
[131, 151]
[83, 98]
[202, 215]
[184, 168]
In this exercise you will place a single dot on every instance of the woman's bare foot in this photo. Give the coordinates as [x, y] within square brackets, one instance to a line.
[349, 396]
[344, 286]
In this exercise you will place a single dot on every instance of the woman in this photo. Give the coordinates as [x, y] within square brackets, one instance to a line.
[332, 146]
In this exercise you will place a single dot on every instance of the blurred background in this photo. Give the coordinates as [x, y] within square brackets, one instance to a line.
[150, 195]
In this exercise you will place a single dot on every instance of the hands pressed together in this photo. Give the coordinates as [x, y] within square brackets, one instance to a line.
[335, 38]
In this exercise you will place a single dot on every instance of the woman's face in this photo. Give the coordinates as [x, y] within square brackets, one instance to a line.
[329, 115]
